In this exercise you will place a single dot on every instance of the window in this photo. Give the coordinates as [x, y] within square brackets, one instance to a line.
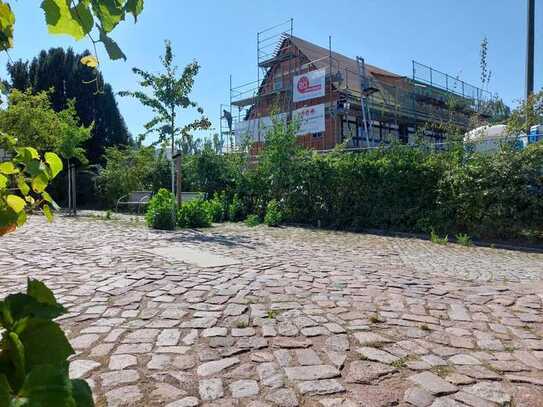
[278, 83]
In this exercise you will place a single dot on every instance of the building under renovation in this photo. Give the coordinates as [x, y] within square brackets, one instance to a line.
[337, 99]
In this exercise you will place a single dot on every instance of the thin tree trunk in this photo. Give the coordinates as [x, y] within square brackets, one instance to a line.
[69, 176]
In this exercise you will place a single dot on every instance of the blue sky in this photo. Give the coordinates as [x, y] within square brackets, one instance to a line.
[221, 35]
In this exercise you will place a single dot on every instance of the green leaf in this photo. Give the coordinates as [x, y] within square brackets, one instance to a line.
[5, 391]
[8, 168]
[3, 182]
[16, 203]
[109, 12]
[55, 163]
[16, 353]
[61, 19]
[135, 7]
[82, 393]
[33, 152]
[47, 212]
[47, 197]
[39, 182]
[48, 385]
[44, 343]
[21, 218]
[19, 306]
[84, 16]
[39, 291]
[7, 21]
[22, 185]
[113, 50]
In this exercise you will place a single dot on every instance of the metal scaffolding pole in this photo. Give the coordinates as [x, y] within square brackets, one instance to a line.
[530, 31]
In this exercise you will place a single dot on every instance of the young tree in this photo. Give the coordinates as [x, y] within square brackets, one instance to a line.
[169, 93]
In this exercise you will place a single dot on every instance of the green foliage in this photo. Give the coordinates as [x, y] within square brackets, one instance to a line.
[161, 211]
[464, 239]
[194, 214]
[131, 169]
[217, 207]
[30, 175]
[108, 214]
[76, 19]
[168, 93]
[396, 187]
[59, 72]
[252, 220]
[437, 239]
[34, 352]
[31, 117]
[235, 209]
[274, 215]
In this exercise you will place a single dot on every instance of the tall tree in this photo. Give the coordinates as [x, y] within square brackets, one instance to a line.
[169, 94]
[61, 72]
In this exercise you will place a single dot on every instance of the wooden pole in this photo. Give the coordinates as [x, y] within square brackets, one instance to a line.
[74, 189]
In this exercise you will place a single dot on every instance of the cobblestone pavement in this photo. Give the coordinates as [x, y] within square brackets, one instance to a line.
[304, 317]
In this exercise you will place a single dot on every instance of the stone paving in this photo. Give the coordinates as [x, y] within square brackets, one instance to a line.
[304, 318]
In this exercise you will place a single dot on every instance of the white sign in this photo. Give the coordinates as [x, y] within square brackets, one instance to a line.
[255, 129]
[310, 119]
[309, 85]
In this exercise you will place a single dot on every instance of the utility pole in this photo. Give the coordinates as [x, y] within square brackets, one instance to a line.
[530, 49]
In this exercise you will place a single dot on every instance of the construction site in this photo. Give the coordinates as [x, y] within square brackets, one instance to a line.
[338, 99]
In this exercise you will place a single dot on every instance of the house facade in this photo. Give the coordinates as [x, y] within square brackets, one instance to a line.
[336, 99]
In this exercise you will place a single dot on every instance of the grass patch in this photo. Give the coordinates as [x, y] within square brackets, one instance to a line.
[400, 363]
[272, 314]
[437, 239]
[442, 371]
[464, 240]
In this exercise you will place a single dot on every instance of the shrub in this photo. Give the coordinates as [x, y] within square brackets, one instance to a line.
[464, 239]
[437, 239]
[252, 220]
[34, 352]
[194, 214]
[235, 209]
[274, 215]
[161, 211]
[131, 169]
[217, 207]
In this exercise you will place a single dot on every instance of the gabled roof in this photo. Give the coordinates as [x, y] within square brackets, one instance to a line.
[317, 53]
[320, 58]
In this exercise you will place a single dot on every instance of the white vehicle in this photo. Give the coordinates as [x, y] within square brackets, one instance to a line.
[486, 138]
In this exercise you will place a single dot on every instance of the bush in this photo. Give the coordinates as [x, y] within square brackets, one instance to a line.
[274, 215]
[194, 214]
[235, 209]
[464, 240]
[437, 239]
[35, 352]
[217, 207]
[131, 169]
[161, 211]
[252, 220]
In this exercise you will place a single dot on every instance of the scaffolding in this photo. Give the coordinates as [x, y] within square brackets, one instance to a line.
[364, 105]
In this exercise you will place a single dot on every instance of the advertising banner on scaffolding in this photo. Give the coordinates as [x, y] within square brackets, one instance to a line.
[255, 130]
[310, 119]
[309, 85]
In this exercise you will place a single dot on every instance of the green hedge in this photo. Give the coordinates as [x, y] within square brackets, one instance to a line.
[400, 188]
